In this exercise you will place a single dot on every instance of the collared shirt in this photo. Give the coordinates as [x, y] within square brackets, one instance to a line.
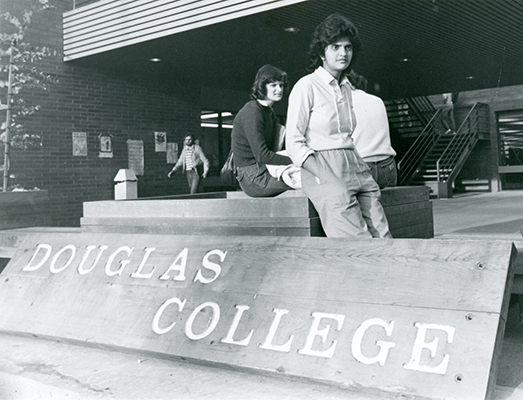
[319, 116]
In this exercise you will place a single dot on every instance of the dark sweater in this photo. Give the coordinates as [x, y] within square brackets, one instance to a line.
[253, 134]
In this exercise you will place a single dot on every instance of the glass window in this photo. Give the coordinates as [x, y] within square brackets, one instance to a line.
[510, 126]
[216, 129]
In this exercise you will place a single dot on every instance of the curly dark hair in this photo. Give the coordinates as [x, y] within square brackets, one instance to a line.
[332, 29]
[267, 74]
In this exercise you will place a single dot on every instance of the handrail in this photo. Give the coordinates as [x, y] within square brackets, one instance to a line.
[410, 161]
[454, 156]
[422, 107]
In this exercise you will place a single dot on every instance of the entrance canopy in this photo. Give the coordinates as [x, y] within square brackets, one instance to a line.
[416, 47]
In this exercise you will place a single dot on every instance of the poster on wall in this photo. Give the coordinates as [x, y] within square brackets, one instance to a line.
[79, 143]
[106, 146]
[160, 141]
[172, 153]
[135, 156]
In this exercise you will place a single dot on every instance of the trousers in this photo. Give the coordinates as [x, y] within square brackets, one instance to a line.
[384, 172]
[193, 179]
[256, 181]
[346, 196]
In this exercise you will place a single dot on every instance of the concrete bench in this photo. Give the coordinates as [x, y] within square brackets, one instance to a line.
[408, 210]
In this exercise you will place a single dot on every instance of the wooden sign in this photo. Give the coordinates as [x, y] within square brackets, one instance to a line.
[420, 317]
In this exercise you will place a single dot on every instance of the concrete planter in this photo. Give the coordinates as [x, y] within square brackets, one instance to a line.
[24, 209]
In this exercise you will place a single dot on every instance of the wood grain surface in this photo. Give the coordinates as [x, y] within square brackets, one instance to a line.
[408, 210]
[381, 314]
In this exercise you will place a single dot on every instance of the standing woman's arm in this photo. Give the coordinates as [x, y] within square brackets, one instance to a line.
[298, 114]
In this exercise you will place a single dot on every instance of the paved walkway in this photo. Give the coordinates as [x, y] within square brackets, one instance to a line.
[490, 214]
[33, 368]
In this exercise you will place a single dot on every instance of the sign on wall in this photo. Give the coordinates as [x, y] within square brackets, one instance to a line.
[106, 146]
[79, 143]
[421, 317]
[135, 156]
[160, 141]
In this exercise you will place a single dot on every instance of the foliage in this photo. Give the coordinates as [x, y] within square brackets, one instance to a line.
[20, 56]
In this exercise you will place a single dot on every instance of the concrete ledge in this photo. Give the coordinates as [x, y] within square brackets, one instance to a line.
[408, 210]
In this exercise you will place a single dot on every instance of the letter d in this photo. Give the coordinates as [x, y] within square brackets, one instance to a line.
[30, 267]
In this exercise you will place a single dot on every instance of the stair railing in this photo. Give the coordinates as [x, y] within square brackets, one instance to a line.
[419, 149]
[457, 151]
[422, 108]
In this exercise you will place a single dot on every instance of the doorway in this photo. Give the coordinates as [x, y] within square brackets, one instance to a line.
[510, 133]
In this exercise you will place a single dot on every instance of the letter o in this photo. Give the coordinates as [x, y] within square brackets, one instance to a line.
[214, 321]
[70, 247]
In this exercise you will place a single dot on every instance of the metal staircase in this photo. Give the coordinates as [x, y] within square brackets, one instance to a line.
[435, 158]
[455, 155]
[408, 117]
[426, 172]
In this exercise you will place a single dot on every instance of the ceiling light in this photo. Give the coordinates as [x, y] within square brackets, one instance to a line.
[213, 125]
[208, 116]
[405, 60]
[155, 59]
[215, 115]
[291, 29]
[470, 77]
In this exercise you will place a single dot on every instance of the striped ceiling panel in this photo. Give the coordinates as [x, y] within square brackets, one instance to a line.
[110, 24]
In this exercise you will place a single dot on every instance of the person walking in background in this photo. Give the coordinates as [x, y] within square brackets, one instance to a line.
[320, 123]
[254, 133]
[191, 158]
[448, 112]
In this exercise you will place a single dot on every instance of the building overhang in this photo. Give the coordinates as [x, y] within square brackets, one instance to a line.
[111, 24]
[410, 48]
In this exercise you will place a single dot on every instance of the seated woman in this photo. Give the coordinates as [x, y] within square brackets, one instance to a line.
[254, 133]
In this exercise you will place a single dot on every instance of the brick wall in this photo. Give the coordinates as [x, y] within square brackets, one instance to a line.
[85, 100]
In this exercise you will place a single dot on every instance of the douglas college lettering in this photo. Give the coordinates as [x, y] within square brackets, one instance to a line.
[116, 261]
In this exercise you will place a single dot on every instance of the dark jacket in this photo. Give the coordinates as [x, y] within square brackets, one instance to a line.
[253, 133]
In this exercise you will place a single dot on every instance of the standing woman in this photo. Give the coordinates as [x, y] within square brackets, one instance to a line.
[320, 123]
[253, 135]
